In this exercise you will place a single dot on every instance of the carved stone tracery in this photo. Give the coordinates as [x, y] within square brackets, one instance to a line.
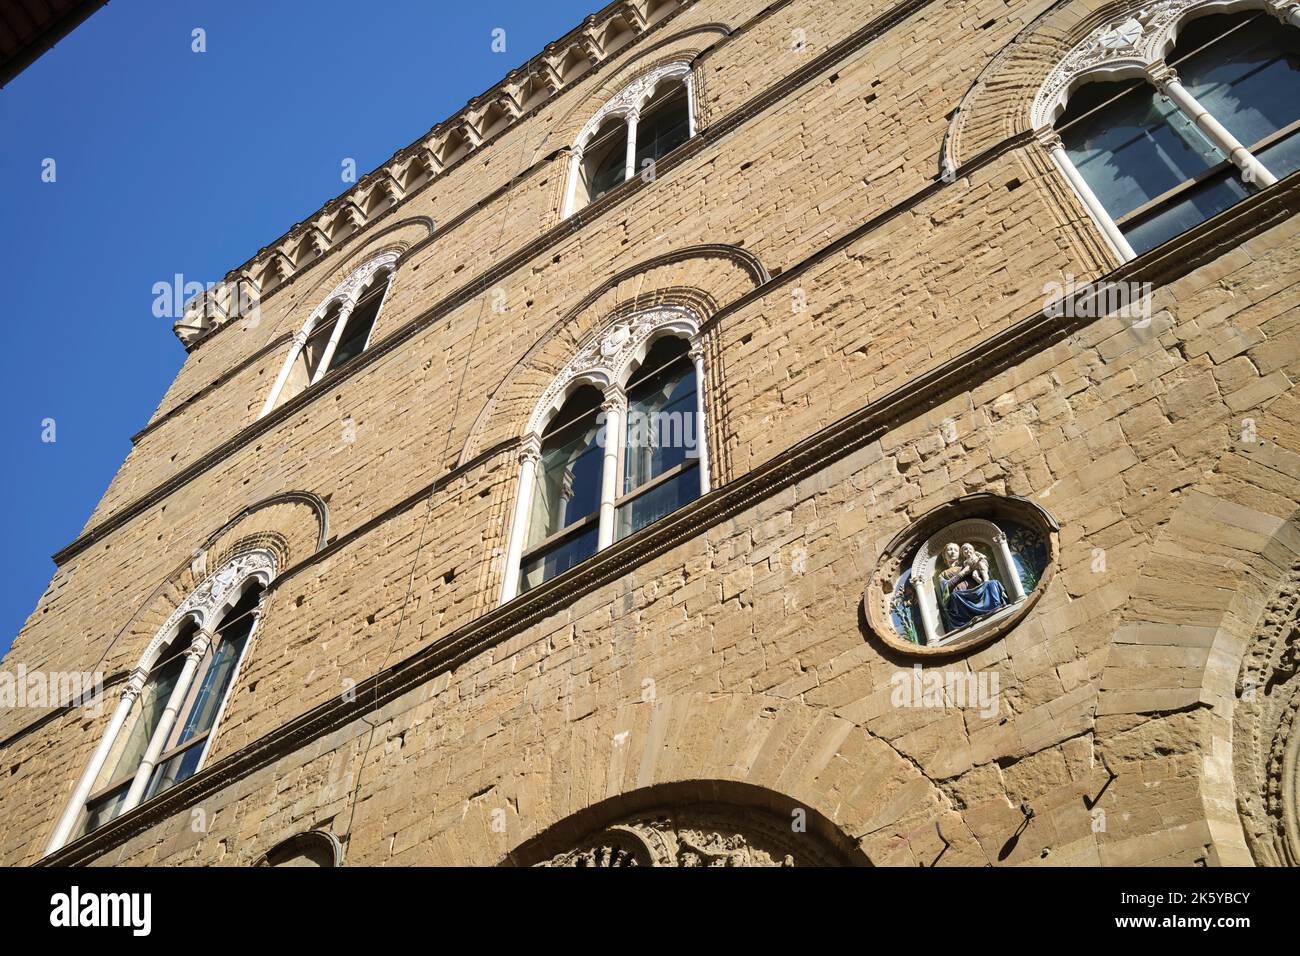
[699, 835]
[631, 98]
[607, 358]
[1129, 44]
[206, 602]
[1266, 731]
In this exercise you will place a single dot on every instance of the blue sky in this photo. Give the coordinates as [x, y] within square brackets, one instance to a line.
[170, 161]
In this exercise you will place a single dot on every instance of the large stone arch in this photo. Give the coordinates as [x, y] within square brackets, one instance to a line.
[1198, 694]
[707, 747]
[700, 279]
[289, 526]
[693, 823]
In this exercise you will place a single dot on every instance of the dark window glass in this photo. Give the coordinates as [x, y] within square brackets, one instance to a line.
[606, 160]
[356, 333]
[1245, 70]
[559, 557]
[663, 127]
[566, 491]
[1215, 194]
[660, 501]
[314, 350]
[661, 426]
[1132, 145]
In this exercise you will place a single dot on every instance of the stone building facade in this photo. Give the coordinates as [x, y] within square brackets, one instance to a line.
[341, 620]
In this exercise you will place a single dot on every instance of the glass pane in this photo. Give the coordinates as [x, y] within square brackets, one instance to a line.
[1245, 70]
[215, 680]
[607, 162]
[357, 331]
[1283, 157]
[1132, 147]
[658, 502]
[178, 767]
[567, 486]
[661, 426]
[558, 558]
[149, 709]
[1199, 203]
[106, 808]
[664, 127]
[314, 349]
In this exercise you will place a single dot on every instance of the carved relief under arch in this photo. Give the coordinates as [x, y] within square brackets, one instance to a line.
[689, 834]
[1266, 731]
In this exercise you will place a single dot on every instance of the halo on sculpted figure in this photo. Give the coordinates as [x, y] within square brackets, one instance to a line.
[962, 575]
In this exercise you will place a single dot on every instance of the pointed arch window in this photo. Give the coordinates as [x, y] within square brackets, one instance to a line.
[162, 728]
[643, 123]
[1172, 115]
[337, 331]
[616, 443]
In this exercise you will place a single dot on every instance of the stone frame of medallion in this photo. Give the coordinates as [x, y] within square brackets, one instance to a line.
[896, 557]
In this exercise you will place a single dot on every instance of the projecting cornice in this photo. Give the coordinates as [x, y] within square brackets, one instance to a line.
[561, 64]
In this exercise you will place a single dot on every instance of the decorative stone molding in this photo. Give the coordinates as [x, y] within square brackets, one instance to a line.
[609, 358]
[1266, 731]
[465, 123]
[907, 565]
[631, 98]
[699, 835]
[1131, 43]
[346, 293]
[313, 848]
[209, 600]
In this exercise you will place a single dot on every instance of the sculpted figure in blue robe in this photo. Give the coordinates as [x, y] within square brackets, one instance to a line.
[967, 591]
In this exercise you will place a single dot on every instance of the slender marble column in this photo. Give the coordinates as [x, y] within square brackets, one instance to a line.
[1051, 141]
[1167, 82]
[701, 433]
[529, 455]
[130, 693]
[197, 649]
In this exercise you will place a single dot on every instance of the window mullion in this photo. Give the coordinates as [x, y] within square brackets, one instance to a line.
[345, 313]
[197, 650]
[615, 410]
[1051, 141]
[629, 165]
[701, 443]
[1166, 81]
[130, 693]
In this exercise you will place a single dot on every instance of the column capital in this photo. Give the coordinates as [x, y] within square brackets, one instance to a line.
[1049, 138]
[134, 685]
[530, 448]
[1162, 75]
[300, 338]
[615, 399]
[1285, 10]
[199, 645]
[696, 350]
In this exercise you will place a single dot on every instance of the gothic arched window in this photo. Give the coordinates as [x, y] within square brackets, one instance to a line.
[617, 442]
[1168, 117]
[337, 331]
[170, 707]
[645, 121]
